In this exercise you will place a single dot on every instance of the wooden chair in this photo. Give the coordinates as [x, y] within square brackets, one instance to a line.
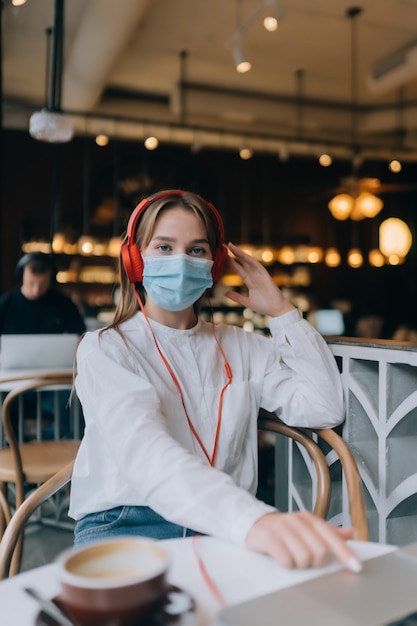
[357, 507]
[9, 563]
[324, 486]
[32, 462]
[9, 555]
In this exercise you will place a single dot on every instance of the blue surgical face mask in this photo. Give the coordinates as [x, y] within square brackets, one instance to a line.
[176, 281]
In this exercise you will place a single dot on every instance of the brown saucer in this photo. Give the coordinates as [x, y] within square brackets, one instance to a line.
[179, 609]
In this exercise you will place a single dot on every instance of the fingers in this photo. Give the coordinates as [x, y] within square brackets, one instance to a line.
[301, 540]
[238, 252]
[243, 261]
[241, 268]
[237, 297]
[346, 533]
[302, 548]
[338, 546]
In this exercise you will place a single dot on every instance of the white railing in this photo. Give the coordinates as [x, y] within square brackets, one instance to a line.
[380, 387]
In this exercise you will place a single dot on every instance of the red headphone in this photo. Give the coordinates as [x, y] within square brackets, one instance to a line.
[131, 255]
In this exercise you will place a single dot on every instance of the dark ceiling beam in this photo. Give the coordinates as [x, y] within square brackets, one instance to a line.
[128, 94]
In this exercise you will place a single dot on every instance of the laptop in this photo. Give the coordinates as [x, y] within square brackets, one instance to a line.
[38, 351]
[384, 593]
[327, 321]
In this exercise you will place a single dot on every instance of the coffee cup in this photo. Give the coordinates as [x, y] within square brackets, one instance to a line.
[113, 582]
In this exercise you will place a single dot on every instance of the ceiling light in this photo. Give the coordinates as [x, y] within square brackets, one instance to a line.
[241, 62]
[286, 255]
[395, 166]
[314, 255]
[270, 23]
[355, 258]
[332, 257]
[354, 203]
[273, 16]
[394, 259]
[341, 206]
[325, 160]
[102, 140]
[246, 153]
[86, 245]
[151, 143]
[51, 127]
[346, 205]
[366, 205]
[264, 254]
[58, 243]
[49, 124]
[395, 238]
[376, 258]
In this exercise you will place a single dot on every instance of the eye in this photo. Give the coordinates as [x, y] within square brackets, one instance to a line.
[198, 251]
[163, 247]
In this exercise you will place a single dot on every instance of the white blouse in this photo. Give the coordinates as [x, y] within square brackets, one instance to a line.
[138, 448]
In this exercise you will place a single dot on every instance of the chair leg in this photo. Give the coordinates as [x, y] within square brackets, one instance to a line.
[5, 512]
[17, 555]
[16, 561]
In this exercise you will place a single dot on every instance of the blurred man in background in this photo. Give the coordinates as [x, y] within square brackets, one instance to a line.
[37, 307]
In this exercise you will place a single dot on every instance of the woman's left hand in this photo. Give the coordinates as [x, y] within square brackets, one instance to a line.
[263, 295]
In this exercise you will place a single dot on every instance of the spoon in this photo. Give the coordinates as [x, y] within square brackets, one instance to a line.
[49, 607]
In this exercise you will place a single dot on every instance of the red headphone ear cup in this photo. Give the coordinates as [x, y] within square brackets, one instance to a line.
[221, 258]
[133, 262]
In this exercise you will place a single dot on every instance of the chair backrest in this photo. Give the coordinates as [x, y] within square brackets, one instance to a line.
[24, 385]
[17, 522]
[357, 507]
[38, 384]
[15, 383]
[33, 375]
[323, 492]
[354, 485]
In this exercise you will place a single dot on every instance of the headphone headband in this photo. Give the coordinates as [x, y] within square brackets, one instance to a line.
[130, 251]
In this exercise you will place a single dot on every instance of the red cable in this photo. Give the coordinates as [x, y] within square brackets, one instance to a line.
[206, 576]
[211, 459]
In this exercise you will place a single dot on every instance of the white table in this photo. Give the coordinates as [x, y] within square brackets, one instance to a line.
[238, 573]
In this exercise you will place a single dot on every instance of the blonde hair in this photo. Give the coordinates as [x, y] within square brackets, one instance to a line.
[128, 305]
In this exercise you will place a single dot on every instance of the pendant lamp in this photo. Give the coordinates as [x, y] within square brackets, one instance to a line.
[356, 203]
[395, 238]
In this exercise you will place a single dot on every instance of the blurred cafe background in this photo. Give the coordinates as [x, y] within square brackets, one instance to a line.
[296, 118]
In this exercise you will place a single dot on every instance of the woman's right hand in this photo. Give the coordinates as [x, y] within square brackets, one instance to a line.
[301, 540]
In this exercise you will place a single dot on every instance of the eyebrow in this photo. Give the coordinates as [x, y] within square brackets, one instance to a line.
[173, 239]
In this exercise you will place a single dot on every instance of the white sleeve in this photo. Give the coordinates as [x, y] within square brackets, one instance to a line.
[309, 390]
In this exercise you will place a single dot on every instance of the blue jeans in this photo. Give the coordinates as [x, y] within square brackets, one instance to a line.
[126, 520]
